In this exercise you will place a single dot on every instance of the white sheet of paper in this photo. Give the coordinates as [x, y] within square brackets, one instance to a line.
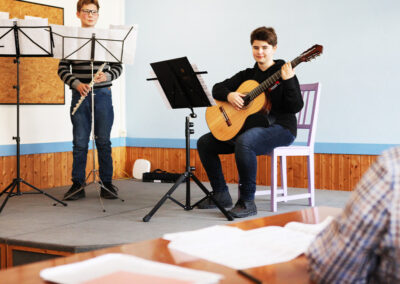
[160, 90]
[106, 264]
[73, 43]
[245, 249]
[4, 16]
[31, 38]
[7, 40]
[130, 33]
[203, 84]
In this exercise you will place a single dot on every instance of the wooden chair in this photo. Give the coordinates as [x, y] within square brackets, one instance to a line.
[306, 119]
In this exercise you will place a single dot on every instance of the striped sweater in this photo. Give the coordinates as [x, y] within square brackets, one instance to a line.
[75, 72]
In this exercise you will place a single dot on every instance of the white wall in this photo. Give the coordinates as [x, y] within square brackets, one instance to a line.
[358, 70]
[51, 123]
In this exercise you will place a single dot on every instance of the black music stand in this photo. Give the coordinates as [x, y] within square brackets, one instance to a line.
[91, 44]
[44, 52]
[183, 89]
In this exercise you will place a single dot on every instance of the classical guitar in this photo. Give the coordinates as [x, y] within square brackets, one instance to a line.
[225, 122]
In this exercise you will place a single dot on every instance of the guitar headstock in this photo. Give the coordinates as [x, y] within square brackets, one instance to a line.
[311, 53]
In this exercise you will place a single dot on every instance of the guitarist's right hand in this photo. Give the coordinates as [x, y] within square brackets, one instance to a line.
[235, 99]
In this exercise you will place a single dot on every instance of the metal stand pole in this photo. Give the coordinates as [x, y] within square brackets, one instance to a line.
[16, 183]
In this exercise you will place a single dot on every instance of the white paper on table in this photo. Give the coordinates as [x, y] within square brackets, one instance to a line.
[109, 263]
[217, 232]
[246, 249]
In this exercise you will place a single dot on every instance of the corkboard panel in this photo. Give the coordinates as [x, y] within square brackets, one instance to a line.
[39, 82]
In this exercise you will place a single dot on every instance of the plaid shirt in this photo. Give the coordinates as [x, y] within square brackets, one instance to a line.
[362, 245]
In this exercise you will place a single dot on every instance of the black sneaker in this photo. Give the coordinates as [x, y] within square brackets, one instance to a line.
[108, 194]
[243, 209]
[77, 191]
[222, 197]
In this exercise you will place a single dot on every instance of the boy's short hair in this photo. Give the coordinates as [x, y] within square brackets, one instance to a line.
[81, 3]
[264, 34]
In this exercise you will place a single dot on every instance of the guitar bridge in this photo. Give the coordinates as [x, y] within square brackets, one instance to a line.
[227, 120]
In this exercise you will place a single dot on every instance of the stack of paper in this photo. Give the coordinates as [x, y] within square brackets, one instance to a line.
[240, 249]
[121, 269]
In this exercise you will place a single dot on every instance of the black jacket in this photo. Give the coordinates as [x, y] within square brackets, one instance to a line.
[286, 98]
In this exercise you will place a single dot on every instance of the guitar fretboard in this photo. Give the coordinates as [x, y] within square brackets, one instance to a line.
[270, 81]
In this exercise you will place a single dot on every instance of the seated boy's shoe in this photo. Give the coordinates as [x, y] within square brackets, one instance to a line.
[77, 191]
[108, 194]
[243, 209]
[223, 198]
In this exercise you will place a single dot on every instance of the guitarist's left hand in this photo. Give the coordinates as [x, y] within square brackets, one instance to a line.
[287, 71]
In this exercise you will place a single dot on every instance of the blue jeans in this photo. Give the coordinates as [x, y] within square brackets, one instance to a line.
[247, 146]
[81, 128]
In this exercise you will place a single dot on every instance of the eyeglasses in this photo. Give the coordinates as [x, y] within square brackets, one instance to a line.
[88, 12]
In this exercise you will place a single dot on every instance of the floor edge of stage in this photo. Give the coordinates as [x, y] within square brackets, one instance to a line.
[32, 229]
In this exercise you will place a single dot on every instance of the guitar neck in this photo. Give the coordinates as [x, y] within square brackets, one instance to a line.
[270, 81]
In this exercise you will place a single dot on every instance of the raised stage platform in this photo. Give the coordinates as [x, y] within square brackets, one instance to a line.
[32, 229]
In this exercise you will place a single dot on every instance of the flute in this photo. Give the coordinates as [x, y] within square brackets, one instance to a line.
[78, 104]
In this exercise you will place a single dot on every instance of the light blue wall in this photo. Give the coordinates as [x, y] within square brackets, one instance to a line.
[358, 70]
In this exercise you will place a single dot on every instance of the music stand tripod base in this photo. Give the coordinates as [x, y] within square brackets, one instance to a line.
[185, 177]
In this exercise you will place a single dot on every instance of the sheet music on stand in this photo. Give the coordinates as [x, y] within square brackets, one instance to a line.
[75, 43]
[4, 15]
[199, 77]
[29, 28]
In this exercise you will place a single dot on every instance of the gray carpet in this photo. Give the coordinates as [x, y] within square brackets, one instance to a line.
[33, 218]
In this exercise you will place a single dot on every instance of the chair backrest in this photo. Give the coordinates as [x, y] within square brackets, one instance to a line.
[308, 116]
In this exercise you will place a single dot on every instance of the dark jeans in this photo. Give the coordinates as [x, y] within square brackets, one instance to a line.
[82, 124]
[247, 146]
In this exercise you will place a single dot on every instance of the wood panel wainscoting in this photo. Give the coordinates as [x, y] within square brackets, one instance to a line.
[53, 169]
[3, 263]
[332, 171]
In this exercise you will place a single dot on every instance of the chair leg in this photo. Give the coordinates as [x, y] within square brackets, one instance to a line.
[311, 183]
[274, 182]
[284, 176]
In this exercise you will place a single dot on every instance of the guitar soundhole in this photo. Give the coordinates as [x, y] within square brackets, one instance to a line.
[247, 102]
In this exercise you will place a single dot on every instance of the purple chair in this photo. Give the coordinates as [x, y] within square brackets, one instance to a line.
[307, 120]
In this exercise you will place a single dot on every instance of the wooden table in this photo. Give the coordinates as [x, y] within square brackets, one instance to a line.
[294, 271]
